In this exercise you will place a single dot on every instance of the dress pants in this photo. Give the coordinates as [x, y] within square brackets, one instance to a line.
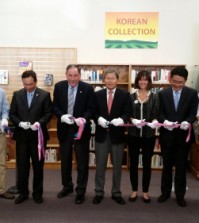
[25, 151]
[147, 147]
[174, 155]
[81, 148]
[101, 151]
[3, 154]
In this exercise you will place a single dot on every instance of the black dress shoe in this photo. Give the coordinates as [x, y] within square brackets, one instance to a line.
[182, 202]
[162, 198]
[64, 193]
[13, 190]
[119, 200]
[79, 199]
[97, 199]
[21, 198]
[38, 199]
[7, 195]
[133, 199]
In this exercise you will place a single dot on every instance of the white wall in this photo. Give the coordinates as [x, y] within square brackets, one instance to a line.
[81, 24]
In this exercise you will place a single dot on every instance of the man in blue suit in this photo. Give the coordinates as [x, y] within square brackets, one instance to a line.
[72, 104]
[178, 104]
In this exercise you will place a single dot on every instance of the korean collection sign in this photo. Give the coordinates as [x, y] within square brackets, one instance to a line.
[131, 30]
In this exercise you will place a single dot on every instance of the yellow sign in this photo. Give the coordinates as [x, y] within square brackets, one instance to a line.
[131, 30]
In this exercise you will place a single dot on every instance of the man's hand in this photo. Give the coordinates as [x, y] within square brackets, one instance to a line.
[80, 120]
[170, 125]
[68, 119]
[103, 122]
[35, 126]
[24, 125]
[117, 121]
[4, 123]
[184, 125]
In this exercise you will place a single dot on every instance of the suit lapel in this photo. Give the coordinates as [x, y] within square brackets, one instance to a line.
[79, 94]
[115, 99]
[171, 99]
[24, 98]
[182, 98]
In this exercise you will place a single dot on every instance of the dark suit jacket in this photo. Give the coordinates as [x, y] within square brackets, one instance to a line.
[187, 109]
[121, 108]
[39, 111]
[82, 108]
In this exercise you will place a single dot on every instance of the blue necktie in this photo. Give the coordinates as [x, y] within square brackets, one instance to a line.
[71, 100]
[30, 96]
[176, 99]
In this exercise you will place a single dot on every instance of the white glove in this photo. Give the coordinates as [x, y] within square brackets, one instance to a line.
[68, 119]
[78, 121]
[4, 123]
[24, 125]
[184, 125]
[170, 125]
[35, 126]
[153, 124]
[117, 121]
[138, 122]
[103, 122]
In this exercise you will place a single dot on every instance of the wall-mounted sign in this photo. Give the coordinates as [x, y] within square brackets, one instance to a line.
[3, 76]
[131, 30]
[25, 65]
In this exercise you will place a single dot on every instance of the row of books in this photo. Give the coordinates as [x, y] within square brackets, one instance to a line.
[51, 155]
[157, 76]
[96, 76]
[92, 75]
[156, 161]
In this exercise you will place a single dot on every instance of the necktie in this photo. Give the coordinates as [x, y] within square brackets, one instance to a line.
[110, 100]
[30, 96]
[176, 99]
[71, 100]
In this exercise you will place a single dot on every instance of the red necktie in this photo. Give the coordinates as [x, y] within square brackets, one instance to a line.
[110, 100]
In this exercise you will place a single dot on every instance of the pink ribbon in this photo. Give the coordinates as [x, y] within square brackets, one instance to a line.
[80, 129]
[175, 125]
[40, 146]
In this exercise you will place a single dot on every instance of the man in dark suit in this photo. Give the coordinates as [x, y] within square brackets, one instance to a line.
[112, 108]
[178, 104]
[72, 104]
[30, 111]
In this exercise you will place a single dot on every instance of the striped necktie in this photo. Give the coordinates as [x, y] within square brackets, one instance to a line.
[71, 100]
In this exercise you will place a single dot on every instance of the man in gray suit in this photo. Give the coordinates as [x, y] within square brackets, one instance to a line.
[30, 112]
[178, 103]
[112, 108]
